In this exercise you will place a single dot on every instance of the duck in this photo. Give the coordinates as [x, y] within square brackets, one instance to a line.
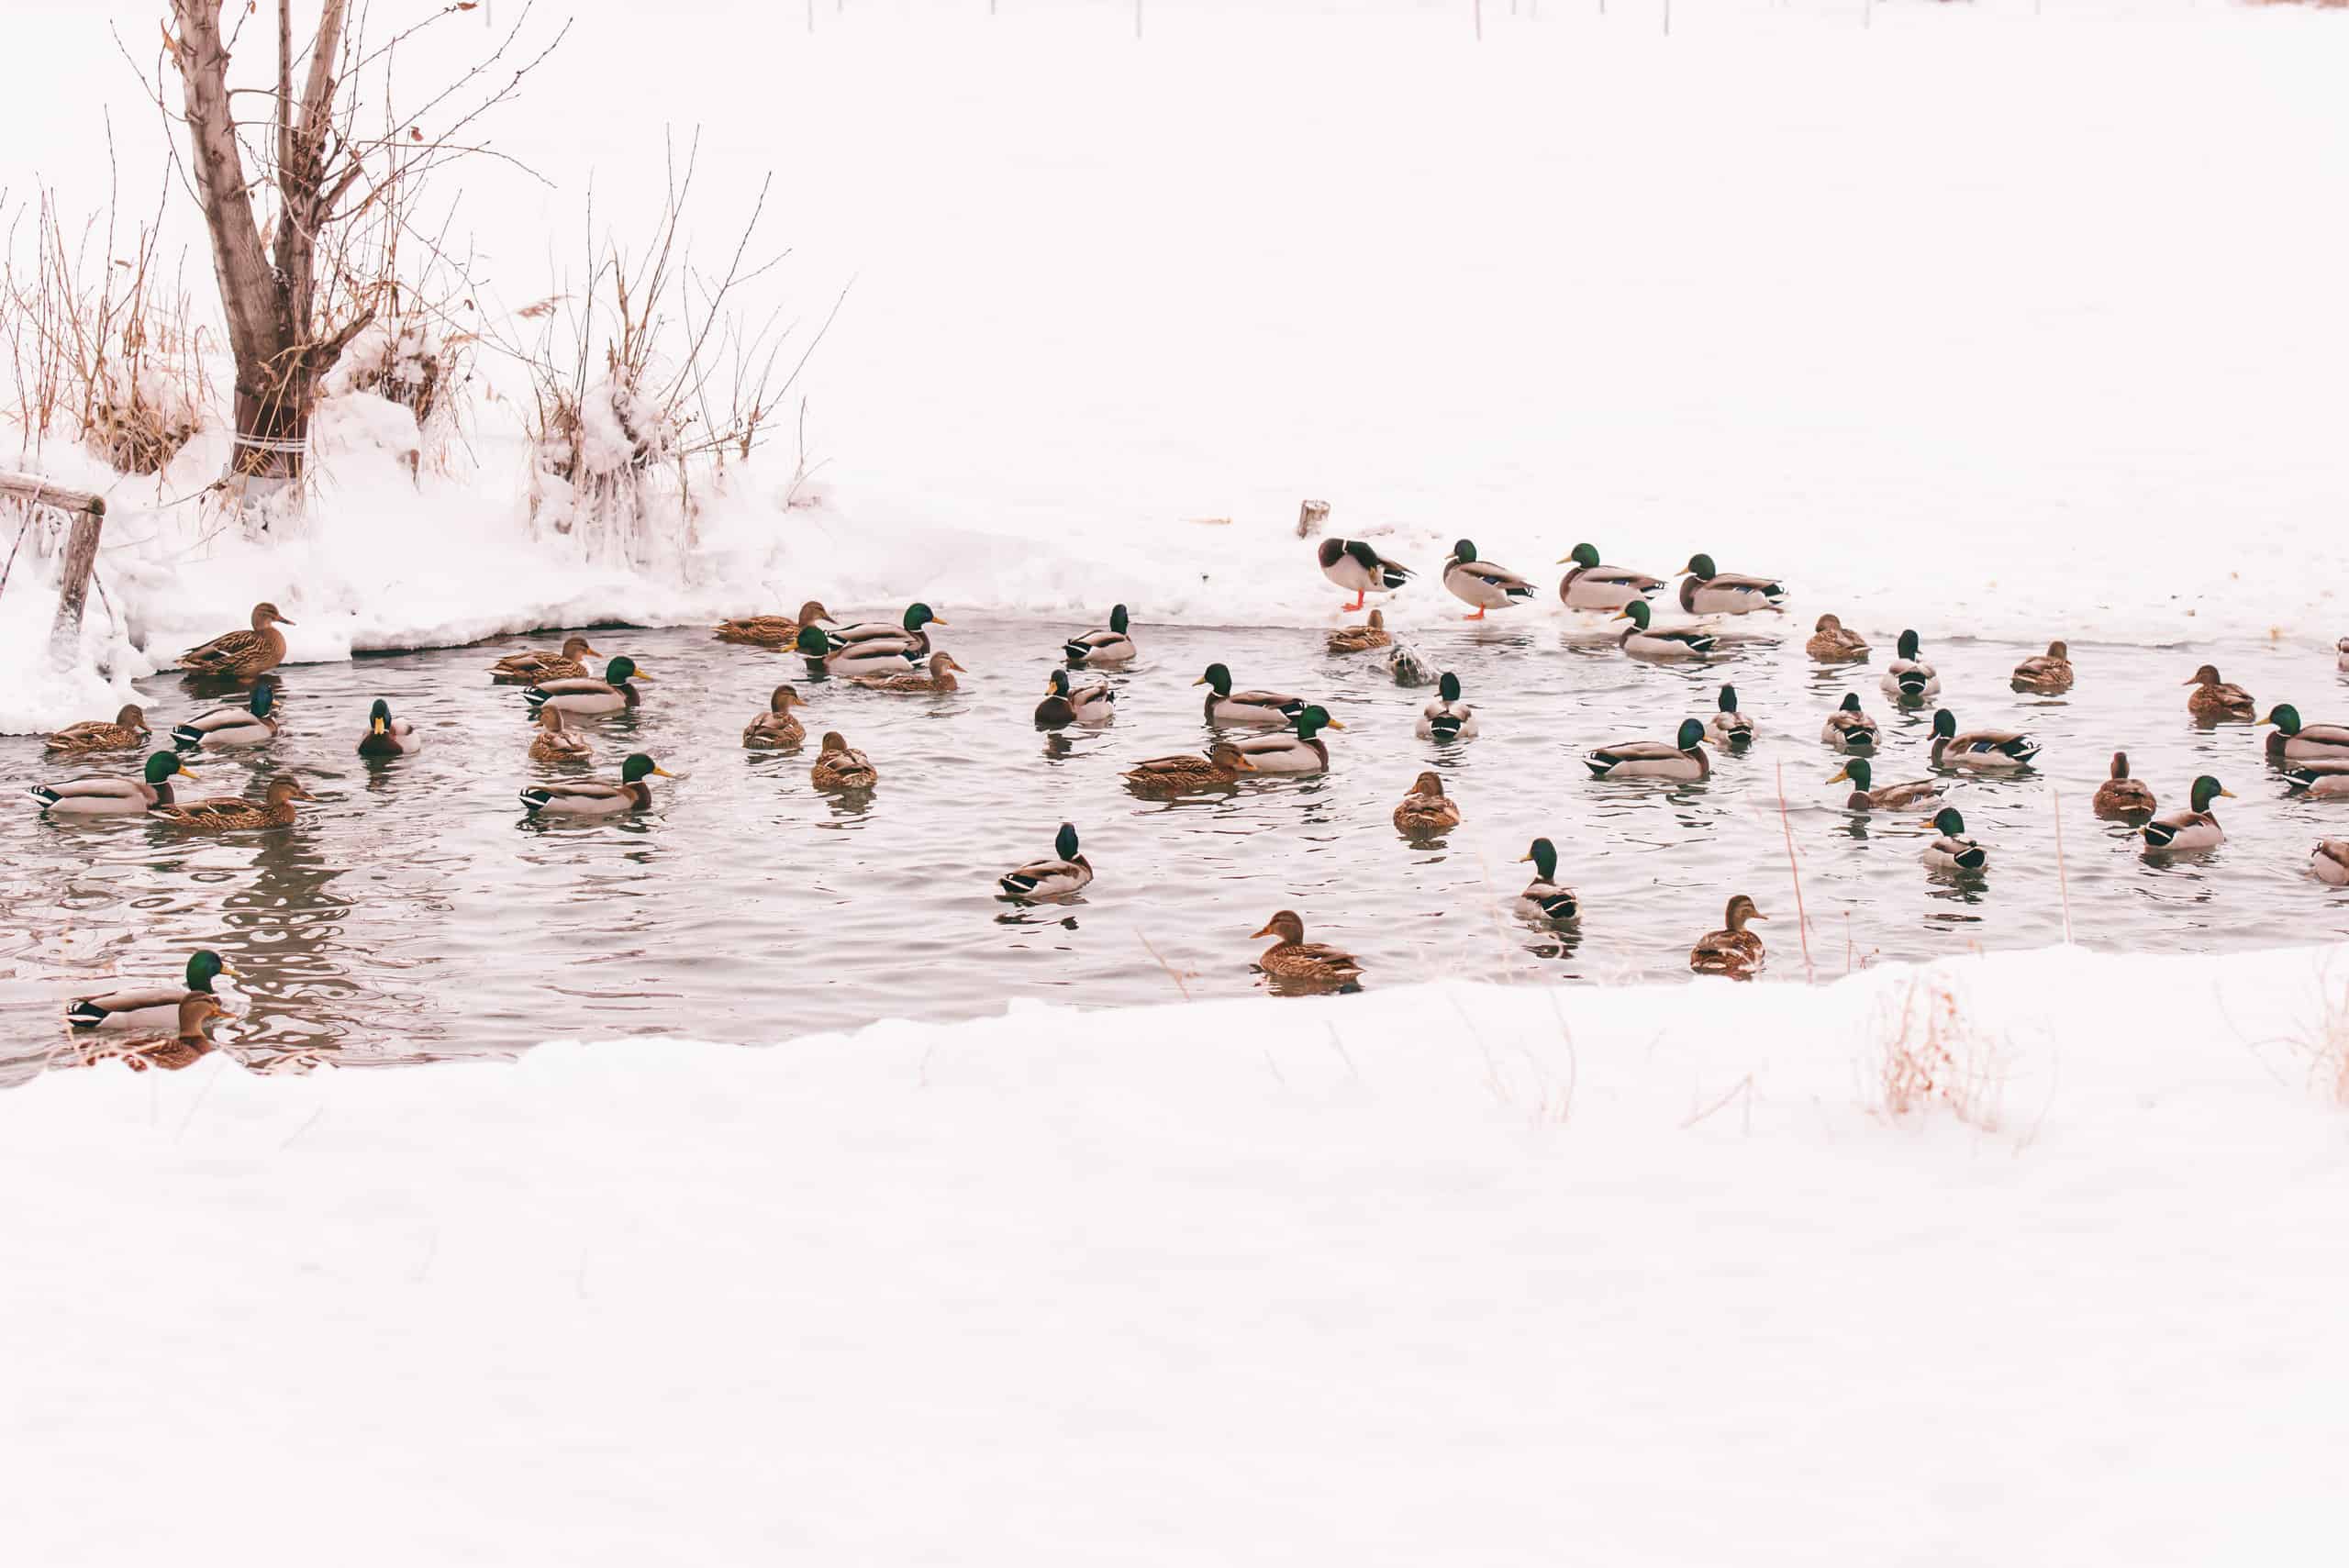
[556, 741]
[596, 797]
[149, 1007]
[1832, 642]
[1268, 711]
[1733, 951]
[1110, 645]
[1543, 893]
[1409, 667]
[1067, 873]
[2213, 700]
[1951, 850]
[1909, 679]
[1481, 583]
[770, 631]
[183, 1048]
[1890, 797]
[1361, 638]
[1447, 718]
[877, 647]
[1590, 586]
[91, 736]
[1219, 769]
[1680, 759]
[233, 813]
[2048, 673]
[776, 729]
[1299, 750]
[2191, 829]
[1849, 729]
[1426, 808]
[1293, 961]
[2343, 648]
[2120, 797]
[103, 796]
[1359, 570]
[529, 669]
[838, 766]
[1641, 641]
[2296, 742]
[939, 677]
[1979, 751]
[1706, 592]
[1728, 728]
[1067, 703]
[584, 697]
[232, 728]
[386, 736]
[2325, 781]
[2331, 862]
[242, 655]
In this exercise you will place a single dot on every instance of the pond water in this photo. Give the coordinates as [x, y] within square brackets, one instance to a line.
[415, 913]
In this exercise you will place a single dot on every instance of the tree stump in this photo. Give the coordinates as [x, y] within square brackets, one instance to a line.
[1310, 515]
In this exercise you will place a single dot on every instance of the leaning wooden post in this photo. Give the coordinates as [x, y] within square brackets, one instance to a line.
[89, 513]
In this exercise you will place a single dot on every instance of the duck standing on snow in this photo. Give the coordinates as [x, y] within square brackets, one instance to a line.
[234, 813]
[233, 727]
[1361, 638]
[1359, 570]
[1264, 710]
[1543, 892]
[2325, 781]
[2049, 672]
[1979, 751]
[149, 1007]
[100, 795]
[582, 698]
[1683, 758]
[1641, 641]
[1733, 951]
[1728, 728]
[2296, 742]
[876, 646]
[1849, 730]
[2194, 830]
[1706, 592]
[386, 736]
[776, 729]
[91, 736]
[1101, 646]
[1065, 703]
[840, 766]
[1426, 809]
[1053, 878]
[1591, 587]
[1951, 850]
[1909, 679]
[1164, 777]
[939, 677]
[2213, 700]
[1301, 751]
[769, 631]
[242, 655]
[1296, 963]
[1482, 583]
[1447, 718]
[557, 742]
[596, 797]
[2122, 798]
[2331, 862]
[1890, 797]
[527, 669]
[1833, 643]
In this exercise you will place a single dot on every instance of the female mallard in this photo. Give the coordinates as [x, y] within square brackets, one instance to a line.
[2331, 862]
[1293, 961]
[1054, 878]
[2194, 830]
[1683, 758]
[582, 698]
[1909, 679]
[840, 767]
[556, 741]
[1427, 809]
[1849, 730]
[1590, 586]
[1447, 718]
[2296, 742]
[1832, 642]
[1728, 728]
[2213, 700]
[1102, 646]
[2122, 798]
[149, 1007]
[2325, 781]
[1667, 642]
[771, 631]
[127, 733]
[1267, 710]
[775, 729]
[529, 669]
[1706, 592]
[231, 728]
[1979, 751]
[1543, 893]
[1733, 951]
[183, 1048]
[233, 813]
[877, 647]
[1065, 703]
[1891, 797]
[386, 736]
[1481, 583]
[2342, 648]
[1301, 751]
[242, 655]
[939, 677]
[97, 795]
[1359, 570]
[1951, 850]
[1361, 638]
[1219, 769]
[595, 797]
[2048, 673]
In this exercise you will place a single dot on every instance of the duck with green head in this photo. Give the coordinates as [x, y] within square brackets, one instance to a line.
[584, 698]
[1447, 718]
[2195, 829]
[1704, 591]
[1103, 645]
[1482, 582]
[1262, 710]
[251, 722]
[1909, 679]
[1891, 797]
[1067, 703]
[1067, 871]
[1979, 751]
[1683, 758]
[880, 647]
[1546, 892]
[1591, 587]
[149, 1007]
[1359, 568]
[386, 736]
[1951, 850]
[101, 795]
[596, 797]
[1851, 729]
[1300, 750]
[1728, 728]
[2293, 741]
[1642, 639]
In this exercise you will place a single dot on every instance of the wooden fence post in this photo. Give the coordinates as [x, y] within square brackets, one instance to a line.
[89, 513]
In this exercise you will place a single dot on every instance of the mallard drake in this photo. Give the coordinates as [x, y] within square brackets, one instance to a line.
[1979, 751]
[877, 647]
[556, 741]
[596, 797]
[2296, 742]
[249, 723]
[1951, 850]
[1359, 570]
[1268, 711]
[1292, 960]
[775, 729]
[1481, 583]
[386, 736]
[1426, 809]
[127, 733]
[529, 669]
[840, 767]
[2193, 830]
[1590, 586]
[149, 1007]
[1054, 878]
[1409, 667]
[1706, 592]
[582, 698]
[183, 1048]
[2213, 700]
[2326, 781]
[242, 655]
[1665, 643]
[1849, 730]
[2122, 798]
[1543, 893]
[1099, 645]
[1219, 769]
[1447, 718]
[1832, 642]
[2048, 673]
[2331, 862]
[232, 813]
[1909, 679]
[939, 677]
[100, 795]
[771, 631]
[1728, 728]
[1683, 758]
[1361, 638]
[1065, 703]
[1733, 951]
[1300, 750]
[1891, 797]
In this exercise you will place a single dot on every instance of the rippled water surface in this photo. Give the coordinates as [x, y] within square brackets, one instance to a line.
[415, 913]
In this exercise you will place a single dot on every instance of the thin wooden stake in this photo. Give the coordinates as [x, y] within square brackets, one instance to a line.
[1802, 920]
[2063, 878]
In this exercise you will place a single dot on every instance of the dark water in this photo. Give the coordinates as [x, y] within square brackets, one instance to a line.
[415, 913]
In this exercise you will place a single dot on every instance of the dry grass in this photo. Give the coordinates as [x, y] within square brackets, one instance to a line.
[2325, 1042]
[1934, 1052]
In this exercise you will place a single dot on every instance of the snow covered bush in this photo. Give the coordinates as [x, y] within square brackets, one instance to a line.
[416, 364]
[607, 466]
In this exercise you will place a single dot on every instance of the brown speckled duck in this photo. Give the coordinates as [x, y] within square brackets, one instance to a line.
[91, 736]
[1361, 638]
[529, 668]
[2124, 799]
[1165, 776]
[2049, 672]
[1832, 642]
[556, 741]
[1733, 951]
[838, 766]
[939, 677]
[1427, 809]
[775, 729]
[242, 655]
[771, 631]
[230, 813]
[1294, 963]
[2213, 700]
